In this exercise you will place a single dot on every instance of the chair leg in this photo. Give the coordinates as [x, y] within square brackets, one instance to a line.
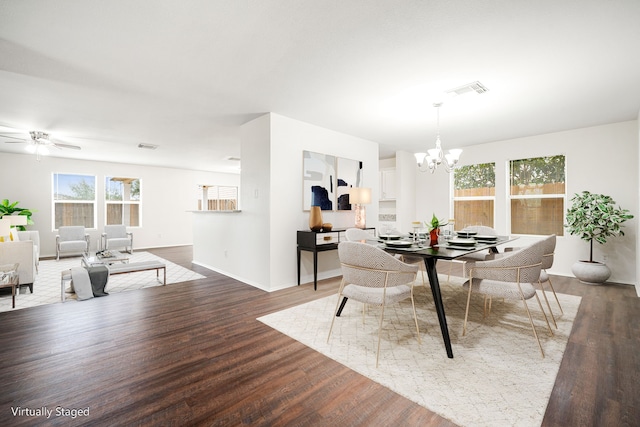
[336, 311]
[415, 318]
[380, 332]
[526, 307]
[554, 294]
[544, 294]
[466, 313]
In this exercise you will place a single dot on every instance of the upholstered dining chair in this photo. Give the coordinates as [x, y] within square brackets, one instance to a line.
[372, 276]
[509, 277]
[482, 230]
[358, 235]
[71, 240]
[117, 236]
[549, 244]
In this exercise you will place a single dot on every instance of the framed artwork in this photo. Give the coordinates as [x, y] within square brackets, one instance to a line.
[349, 176]
[319, 180]
[327, 179]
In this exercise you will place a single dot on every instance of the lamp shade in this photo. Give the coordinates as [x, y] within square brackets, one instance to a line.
[5, 226]
[360, 195]
[17, 219]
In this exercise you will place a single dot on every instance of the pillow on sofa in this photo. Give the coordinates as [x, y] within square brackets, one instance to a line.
[14, 235]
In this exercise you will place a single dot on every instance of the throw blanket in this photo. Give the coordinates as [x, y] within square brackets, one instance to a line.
[99, 276]
[90, 282]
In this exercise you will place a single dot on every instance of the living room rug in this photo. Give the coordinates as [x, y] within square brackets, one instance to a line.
[46, 287]
[496, 378]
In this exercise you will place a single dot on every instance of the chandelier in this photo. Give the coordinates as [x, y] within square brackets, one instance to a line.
[435, 157]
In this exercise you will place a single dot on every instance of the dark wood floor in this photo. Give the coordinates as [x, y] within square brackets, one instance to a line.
[194, 354]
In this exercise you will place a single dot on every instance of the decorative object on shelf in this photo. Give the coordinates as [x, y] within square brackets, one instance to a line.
[435, 156]
[434, 229]
[9, 209]
[327, 226]
[360, 196]
[315, 218]
[594, 217]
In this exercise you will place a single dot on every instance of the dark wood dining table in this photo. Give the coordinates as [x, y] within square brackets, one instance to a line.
[431, 254]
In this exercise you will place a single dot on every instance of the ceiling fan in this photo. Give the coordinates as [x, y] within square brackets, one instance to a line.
[39, 144]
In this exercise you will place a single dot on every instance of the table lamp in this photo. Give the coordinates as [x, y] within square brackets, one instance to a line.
[5, 228]
[360, 196]
[17, 219]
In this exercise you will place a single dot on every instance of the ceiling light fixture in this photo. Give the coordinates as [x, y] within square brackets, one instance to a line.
[435, 157]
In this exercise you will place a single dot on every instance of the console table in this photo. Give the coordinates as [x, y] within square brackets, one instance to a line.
[320, 241]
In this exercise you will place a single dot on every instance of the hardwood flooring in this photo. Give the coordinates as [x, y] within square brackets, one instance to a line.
[194, 354]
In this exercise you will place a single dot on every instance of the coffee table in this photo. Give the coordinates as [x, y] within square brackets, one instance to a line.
[104, 258]
[9, 278]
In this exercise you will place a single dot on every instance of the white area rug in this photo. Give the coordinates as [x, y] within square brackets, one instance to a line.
[46, 288]
[496, 378]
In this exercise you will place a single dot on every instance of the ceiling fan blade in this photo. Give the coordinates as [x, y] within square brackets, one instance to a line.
[14, 137]
[72, 147]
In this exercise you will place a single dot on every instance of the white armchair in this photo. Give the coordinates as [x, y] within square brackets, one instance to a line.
[117, 236]
[71, 240]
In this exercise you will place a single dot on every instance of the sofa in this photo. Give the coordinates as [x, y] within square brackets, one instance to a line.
[23, 253]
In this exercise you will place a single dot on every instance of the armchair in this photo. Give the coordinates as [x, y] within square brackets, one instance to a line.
[71, 240]
[117, 236]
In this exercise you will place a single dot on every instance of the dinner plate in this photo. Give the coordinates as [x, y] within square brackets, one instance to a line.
[398, 243]
[390, 237]
[466, 233]
[485, 237]
[462, 242]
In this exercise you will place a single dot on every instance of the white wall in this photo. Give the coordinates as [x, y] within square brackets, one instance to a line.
[600, 159]
[167, 196]
[260, 241]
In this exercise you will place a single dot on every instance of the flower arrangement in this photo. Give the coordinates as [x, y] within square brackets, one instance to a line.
[435, 223]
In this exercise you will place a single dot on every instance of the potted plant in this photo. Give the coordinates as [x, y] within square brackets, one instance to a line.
[594, 217]
[8, 208]
[434, 228]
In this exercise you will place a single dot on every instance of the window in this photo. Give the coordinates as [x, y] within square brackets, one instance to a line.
[474, 193]
[218, 198]
[74, 200]
[537, 195]
[122, 201]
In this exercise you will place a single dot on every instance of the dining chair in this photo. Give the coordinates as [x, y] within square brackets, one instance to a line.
[547, 262]
[509, 277]
[482, 230]
[374, 277]
[358, 235]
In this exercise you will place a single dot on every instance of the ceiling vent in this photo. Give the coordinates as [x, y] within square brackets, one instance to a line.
[147, 146]
[476, 87]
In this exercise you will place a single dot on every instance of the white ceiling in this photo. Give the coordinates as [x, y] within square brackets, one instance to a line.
[107, 75]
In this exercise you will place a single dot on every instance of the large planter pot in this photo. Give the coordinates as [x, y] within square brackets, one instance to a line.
[591, 273]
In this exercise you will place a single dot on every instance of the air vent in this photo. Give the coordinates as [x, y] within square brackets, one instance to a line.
[475, 87]
[147, 146]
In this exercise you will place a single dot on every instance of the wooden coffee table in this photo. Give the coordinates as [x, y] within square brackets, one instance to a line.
[9, 278]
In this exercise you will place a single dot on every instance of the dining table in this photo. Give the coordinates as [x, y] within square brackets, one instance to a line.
[444, 250]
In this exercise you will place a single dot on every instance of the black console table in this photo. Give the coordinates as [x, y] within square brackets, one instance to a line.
[320, 241]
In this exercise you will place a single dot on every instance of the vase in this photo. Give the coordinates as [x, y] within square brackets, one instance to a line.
[591, 273]
[433, 236]
[315, 218]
